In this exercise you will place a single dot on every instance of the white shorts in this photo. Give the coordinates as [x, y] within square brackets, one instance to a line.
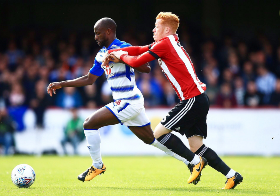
[129, 114]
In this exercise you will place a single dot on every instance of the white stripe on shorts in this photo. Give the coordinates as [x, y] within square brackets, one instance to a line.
[180, 114]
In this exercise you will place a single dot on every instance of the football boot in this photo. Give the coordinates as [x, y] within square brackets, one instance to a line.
[91, 172]
[232, 182]
[196, 170]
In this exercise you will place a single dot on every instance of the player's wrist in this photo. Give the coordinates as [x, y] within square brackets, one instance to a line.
[62, 83]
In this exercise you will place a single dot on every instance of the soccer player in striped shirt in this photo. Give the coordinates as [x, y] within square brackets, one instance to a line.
[188, 117]
[128, 106]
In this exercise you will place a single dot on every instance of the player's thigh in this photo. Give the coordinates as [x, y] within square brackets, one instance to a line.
[144, 133]
[100, 118]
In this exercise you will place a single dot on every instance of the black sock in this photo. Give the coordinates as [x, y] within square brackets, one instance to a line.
[213, 159]
[173, 143]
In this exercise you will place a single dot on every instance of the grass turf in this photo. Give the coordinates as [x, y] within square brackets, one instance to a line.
[139, 176]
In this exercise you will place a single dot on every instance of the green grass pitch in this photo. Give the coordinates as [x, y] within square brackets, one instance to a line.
[139, 175]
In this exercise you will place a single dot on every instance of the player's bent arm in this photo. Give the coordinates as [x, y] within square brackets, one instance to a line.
[81, 81]
[136, 61]
[143, 68]
[133, 50]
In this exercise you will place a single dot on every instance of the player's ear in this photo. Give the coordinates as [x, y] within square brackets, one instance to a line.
[108, 31]
[167, 30]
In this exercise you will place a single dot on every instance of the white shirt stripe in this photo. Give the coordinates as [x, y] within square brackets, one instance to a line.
[186, 61]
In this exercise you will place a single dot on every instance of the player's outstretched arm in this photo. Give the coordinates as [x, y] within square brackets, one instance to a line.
[133, 61]
[132, 50]
[145, 68]
[81, 81]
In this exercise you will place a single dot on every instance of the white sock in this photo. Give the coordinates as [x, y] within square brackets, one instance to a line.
[195, 160]
[169, 152]
[230, 173]
[93, 144]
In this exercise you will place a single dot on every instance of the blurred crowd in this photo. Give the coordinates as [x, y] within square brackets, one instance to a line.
[237, 73]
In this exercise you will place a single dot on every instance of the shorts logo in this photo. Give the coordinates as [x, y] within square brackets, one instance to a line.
[177, 129]
[118, 102]
[164, 119]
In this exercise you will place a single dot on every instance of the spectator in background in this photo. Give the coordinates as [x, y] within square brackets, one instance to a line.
[72, 57]
[39, 102]
[85, 49]
[239, 91]
[30, 79]
[60, 74]
[14, 56]
[226, 97]
[17, 95]
[150, 99]
[211, 71]
[275, 96]
[77, 68]
[151, 89]
[242, 51]
[106, 93]
[7, 128]
[73, 132]
[69, 98]
[248, 73]
[268, 51]
[265, 82]
[252, 98]
[227, 77]
[17, 104]
[212, 89]
[277, 68]
[91, 98]
[233, 64]
[170, 98]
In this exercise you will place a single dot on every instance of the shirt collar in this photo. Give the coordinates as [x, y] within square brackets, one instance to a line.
[115, 42]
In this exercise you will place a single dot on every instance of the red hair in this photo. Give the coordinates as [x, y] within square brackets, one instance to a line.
[169, 19]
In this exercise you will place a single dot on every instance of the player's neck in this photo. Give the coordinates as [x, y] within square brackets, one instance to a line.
[110, 41]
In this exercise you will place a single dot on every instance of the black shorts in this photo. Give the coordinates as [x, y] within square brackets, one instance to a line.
[189, 117]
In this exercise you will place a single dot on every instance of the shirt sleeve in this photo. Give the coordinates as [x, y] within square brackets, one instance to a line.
[96, 68]
[133, 50]
[137, 61]
[158, 49]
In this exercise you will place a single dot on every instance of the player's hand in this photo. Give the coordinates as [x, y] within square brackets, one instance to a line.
[52, 87]
[118, 53]
[113, 58]
[105, 61]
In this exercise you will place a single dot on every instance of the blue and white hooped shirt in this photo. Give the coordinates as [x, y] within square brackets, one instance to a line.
[120, 77]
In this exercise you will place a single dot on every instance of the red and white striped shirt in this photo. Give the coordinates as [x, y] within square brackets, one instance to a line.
[174, 62]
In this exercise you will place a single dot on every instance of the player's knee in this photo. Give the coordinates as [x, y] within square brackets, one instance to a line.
[160, 130]
[195, 147]
[157, 134]
[87, 124]
[148, 140]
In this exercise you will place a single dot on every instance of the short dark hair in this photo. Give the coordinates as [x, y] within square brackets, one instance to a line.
[108, 23]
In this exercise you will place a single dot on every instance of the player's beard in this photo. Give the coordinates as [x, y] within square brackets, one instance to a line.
[102, 43]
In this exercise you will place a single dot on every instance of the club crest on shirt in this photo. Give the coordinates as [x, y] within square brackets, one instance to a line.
[108, 69]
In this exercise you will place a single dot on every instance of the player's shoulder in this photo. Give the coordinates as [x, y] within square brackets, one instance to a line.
[160, 43]
[124, 44]
[119, 44]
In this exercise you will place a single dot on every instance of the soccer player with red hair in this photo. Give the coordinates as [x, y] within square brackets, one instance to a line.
[188, 117]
